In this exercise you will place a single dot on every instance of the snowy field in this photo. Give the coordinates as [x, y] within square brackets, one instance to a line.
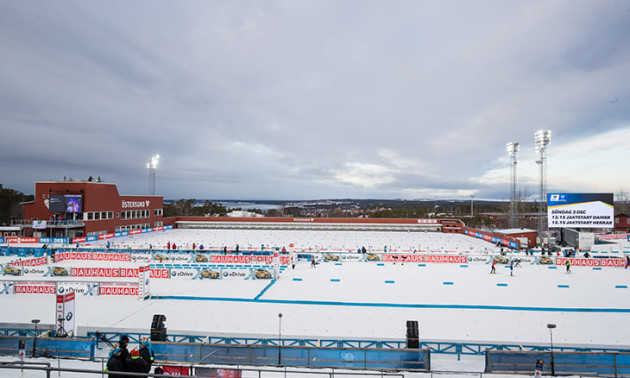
[451, 302]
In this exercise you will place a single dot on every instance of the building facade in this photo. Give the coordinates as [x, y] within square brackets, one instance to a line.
[71, 209]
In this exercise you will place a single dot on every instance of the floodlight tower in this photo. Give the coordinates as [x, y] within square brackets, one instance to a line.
[152, 166]
[542, 138]
[512, 149]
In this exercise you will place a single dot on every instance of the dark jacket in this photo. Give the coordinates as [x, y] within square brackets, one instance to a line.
[148, 357]
[114, 365]
[137, 365]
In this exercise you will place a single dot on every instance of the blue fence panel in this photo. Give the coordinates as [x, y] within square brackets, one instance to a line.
[293, 356]
[50, 347]
[576, 363]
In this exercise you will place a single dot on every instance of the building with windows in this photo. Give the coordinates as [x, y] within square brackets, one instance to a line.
[622, 223]
[71, 209]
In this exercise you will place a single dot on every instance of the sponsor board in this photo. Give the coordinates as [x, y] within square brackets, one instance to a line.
[160, 273]
[241, 274]
[478, 259]
[434, 259]
[37, 271]
[240, 259]
[8, 270]
[78, 288]
[351, 257]
[92, 256]
[118, 289]
[183, 273]
[31, 262]
[14, 240]
[144, 258]
[173, 257]
[34, 288]
[614, 236]
[614, 263]
[95, 272]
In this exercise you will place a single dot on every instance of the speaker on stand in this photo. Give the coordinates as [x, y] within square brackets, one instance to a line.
[158, 330]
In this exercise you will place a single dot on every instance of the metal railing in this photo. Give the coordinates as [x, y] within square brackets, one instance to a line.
[260, 372]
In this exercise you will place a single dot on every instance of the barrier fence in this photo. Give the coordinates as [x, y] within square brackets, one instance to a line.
[253, 355]
[564, 363]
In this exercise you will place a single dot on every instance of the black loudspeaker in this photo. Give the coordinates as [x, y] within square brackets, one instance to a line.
[158, 331]
[158, 335]
[413, 340]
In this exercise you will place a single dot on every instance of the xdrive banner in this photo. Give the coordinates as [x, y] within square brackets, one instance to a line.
[589, 210]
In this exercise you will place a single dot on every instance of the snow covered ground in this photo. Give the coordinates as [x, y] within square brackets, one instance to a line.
[366, 300]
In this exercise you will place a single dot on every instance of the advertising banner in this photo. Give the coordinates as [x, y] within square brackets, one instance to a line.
[95, 272]
[92, 256]
[23, 287]
[78, 288]
[614, 263]
[118, 289]
[590, 210]
[14, 240]
[31, 262]
[144, 287]
[437, 259]
[39, 224]
[65, 325]
[218, 373]
[614, 237]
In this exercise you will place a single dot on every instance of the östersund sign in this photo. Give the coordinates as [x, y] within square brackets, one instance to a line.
[588, 210]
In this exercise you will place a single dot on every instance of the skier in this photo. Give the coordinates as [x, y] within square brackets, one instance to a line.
[312, 261]
[627, 262]
[568, 264]
[511, 268]
[493, 270]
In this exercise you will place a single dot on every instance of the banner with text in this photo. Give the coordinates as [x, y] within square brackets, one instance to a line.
[589, 210]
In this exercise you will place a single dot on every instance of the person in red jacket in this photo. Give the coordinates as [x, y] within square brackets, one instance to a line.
[494, 269]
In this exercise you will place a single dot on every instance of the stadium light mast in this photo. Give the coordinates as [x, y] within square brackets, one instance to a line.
[151, 166]
[512, 149]
[542, 138]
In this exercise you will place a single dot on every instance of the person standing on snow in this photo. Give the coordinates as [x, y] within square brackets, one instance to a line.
[568, 264]
[494, 269]
[511, 268]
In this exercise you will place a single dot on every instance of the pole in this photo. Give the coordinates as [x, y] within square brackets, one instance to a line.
[35, 321]
[553, 365]
[280, 338]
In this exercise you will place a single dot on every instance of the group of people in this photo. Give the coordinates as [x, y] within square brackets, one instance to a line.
[121, 360]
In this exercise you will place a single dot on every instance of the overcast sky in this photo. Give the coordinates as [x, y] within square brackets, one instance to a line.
[315, 99]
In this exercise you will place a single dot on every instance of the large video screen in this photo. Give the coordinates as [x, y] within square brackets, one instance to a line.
[65, 203]
[580, 210]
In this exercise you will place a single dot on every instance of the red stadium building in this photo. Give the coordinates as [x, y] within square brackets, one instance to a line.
[71, 209]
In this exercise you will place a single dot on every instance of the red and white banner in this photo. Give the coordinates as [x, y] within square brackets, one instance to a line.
[239, 259]
[92, 256]
[439, 259]
[31, 262]
[614, 236]
[615, 263]
[118, 289]
[22, 240]
[144, 287]
[95, 272]
[175, 370]
[35, 288]
[105, 236]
